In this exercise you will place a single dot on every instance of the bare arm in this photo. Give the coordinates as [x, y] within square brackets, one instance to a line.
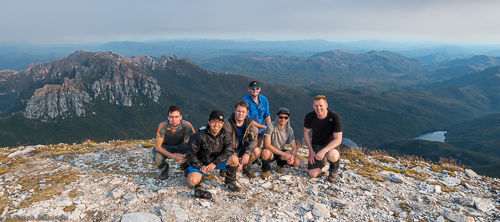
[179, 158]
[307, 139]
[294, 148]
[337, 140]
[269, 146]
[258, 125]
[267, 120]
[160, 149]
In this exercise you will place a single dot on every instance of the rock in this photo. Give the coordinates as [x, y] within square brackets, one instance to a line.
[454, 217]
[180, 214]
[130, 198]
[204, 203]
[21, 152]
[308, 216]
[437, 189]
[63, 203]
[286, 178]
[451, 181]
[483, 204]
[403, 214]
[266, 185]
[143, 217]
[116, 193]
[320, 210]
[395, 177]
[471, 174]
[470, 219]
[340, 203]
[440, 219]
[469, 202]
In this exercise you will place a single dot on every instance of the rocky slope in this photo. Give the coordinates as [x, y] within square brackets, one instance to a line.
[64, 87]
[116, 181]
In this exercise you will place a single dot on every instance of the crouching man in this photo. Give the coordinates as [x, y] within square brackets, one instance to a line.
[211, 149]
[326, 127]
[244, 134]
[172, 141]
[278, 134]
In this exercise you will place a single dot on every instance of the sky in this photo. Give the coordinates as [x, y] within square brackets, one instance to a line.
[98, 21]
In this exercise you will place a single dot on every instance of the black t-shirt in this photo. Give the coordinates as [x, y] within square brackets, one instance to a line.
[323, 129]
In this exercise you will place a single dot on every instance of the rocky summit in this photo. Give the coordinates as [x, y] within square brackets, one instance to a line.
[117, 181]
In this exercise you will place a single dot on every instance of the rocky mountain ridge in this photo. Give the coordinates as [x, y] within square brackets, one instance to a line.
[65, 86]
[117, 181]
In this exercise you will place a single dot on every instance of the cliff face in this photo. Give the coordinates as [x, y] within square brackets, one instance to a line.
[64, 87]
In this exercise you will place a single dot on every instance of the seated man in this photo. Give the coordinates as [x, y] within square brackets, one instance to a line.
[326, 127]
[171, 141]
[278, 134]
[211, 149]
[244, 134]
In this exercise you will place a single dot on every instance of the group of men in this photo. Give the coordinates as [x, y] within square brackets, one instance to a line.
[235, 143]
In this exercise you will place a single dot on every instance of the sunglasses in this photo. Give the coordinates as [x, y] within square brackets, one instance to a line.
[283, 117]
[254, 88]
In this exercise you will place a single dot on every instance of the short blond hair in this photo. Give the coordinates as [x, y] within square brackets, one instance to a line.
[320, 97]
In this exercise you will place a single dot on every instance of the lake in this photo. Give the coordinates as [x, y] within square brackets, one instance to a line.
[437, 136]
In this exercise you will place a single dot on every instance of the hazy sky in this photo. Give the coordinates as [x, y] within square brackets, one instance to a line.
[86, 21]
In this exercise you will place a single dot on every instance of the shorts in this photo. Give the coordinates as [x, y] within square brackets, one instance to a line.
[278, 159]
[221, 166]
[260, 140]
[317, 163]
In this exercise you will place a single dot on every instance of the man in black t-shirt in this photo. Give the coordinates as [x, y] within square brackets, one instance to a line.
[326, 127]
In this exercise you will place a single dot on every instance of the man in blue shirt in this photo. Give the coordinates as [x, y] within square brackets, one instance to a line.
[258, 109]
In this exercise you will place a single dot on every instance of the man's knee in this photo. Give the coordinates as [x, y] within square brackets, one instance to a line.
[266, 154]
[194, 179]
[233, 161]
[297, 162]
[256, 152]
[333, 155]
[314, 173]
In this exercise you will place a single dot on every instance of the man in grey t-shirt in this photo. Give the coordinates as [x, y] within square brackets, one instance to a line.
[278, 134]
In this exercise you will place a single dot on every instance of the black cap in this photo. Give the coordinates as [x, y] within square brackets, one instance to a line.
[283, 110]
[253, 84]
[216, 114]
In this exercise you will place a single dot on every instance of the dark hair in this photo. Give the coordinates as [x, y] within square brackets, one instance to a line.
[242, 104]
[173, 109]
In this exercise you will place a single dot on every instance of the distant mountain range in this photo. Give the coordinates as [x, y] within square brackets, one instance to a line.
[104, 96]
[18, 57]
[339, 69]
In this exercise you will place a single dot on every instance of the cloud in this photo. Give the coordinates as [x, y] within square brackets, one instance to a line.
[75, 21]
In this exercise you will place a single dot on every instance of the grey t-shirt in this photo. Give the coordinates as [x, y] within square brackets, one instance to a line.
[279, 137]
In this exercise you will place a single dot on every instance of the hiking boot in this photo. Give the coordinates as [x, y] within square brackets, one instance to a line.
[199, 193]
[230, 181]
[184, 167]
[332, 177]
[164, 173]
[248, 171]
[334, 168]
[223, 173]
[279, 169]
[266, 167]
[265, 174]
